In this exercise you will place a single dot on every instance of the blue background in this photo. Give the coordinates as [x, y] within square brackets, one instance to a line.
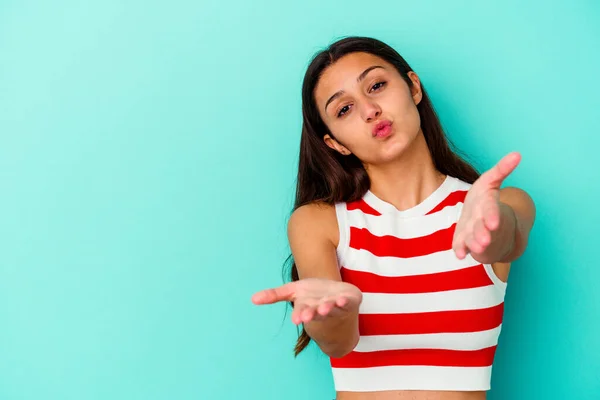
[147, 165]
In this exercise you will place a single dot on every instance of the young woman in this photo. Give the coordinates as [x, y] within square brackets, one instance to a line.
[401, 249]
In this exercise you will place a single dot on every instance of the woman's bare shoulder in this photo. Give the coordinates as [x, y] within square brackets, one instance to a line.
[317, 220]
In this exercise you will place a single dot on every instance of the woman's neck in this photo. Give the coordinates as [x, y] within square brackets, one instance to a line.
[409, 180]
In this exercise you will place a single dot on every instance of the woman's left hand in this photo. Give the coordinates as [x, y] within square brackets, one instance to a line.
[481, 213]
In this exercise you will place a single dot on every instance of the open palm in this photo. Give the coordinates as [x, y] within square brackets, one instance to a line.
[314, 299]
[481, 211]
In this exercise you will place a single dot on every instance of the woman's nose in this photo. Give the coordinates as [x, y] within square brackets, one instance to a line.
[371, 111]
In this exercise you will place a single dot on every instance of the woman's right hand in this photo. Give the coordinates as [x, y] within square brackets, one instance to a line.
[314, 299]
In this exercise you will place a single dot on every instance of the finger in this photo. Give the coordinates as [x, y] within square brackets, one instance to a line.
[326, 306]
[458, 246]
[491, 215]
[461, 252]
[502, 169]
[473, 245]
[269, 296]
[297, 313]
[481, 234]
[308, 314]
[342, 301]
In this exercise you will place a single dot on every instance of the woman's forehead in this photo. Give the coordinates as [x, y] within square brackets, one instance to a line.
[345, 73]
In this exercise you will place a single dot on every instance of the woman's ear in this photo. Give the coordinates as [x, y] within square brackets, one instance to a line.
[335, 145]
[416, 92]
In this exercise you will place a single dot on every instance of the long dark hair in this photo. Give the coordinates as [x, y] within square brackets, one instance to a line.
[324, 175]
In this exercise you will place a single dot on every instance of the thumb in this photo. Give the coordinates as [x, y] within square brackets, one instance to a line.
[269, 296]
[499, 172]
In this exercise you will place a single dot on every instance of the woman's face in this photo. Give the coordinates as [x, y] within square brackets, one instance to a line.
[368, 107]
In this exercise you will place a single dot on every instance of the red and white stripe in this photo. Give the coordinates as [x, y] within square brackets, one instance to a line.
[428, 321]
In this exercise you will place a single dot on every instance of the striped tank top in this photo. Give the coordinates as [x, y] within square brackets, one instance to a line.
[428, 321]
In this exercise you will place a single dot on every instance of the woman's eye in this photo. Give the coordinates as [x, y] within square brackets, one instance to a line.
[378, 86]
[343, 111]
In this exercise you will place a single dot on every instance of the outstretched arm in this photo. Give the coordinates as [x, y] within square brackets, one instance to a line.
[326, 306]
[495, 223]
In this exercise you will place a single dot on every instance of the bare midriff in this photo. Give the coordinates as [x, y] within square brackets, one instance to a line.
[411, 395]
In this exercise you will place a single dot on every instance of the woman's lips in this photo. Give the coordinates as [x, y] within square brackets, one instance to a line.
[382, 129]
